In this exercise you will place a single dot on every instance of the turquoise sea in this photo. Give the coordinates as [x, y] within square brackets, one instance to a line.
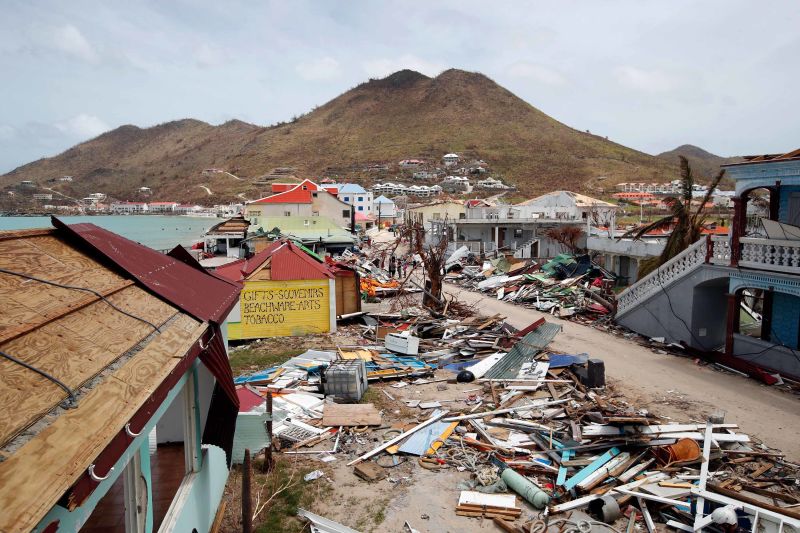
[155, 231]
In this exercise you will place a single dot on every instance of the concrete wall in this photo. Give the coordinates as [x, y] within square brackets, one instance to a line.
[765, 353]
[697, 314]
[627, 247]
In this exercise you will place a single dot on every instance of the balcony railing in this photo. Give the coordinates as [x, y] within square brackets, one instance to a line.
[770, 254]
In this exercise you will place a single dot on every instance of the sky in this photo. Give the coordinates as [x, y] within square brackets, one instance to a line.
[652, 75]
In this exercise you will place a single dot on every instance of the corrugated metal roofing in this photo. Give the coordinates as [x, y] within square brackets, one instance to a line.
[196, 292]
[288, 262]
[523, 351]
[294, 196]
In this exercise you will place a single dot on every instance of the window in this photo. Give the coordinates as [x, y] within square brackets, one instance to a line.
[360, 198]
[361, 208]
[517, 233]
[305, 222]
[462, 216]
[346, 199]
[345, 213]
[287, 213]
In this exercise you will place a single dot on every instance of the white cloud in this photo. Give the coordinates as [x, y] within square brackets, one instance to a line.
[7, 132]
[70, 40]
[382, 67]
[538, 73]
[322, 69]
[207, 55]
[83, 126]
[654, 81]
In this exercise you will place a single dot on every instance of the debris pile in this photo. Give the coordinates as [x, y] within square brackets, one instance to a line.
[568, 286]
[532, 439]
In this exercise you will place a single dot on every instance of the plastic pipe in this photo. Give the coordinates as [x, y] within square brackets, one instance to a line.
[525, 488]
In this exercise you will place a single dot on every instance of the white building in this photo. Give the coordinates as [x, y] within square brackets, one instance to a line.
[187, 209]
[396, 189]
[491, 183]
[384, 208]
[65, 178]
[42, 196]
[450, 159]
[355, 195]
[162, 207]
[129, 208]
[411, 163]
[425, 175]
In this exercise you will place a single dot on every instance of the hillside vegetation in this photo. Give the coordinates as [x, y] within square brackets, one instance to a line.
[404, 115]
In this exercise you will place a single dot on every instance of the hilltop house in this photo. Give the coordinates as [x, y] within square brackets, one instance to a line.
[736, 297]
[450, 159]
[411, 163]
[305, 199]
[130, 425]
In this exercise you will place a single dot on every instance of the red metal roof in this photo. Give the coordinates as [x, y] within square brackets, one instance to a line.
[294, 196]
[196, 292]
[288, 262]
[248, 400]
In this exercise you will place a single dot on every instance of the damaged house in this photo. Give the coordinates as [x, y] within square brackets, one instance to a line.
[117, 400]
[522, 228]
[736, 297]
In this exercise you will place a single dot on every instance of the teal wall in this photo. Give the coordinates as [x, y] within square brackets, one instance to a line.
[786, 190]
[203, 490]
[785, 319]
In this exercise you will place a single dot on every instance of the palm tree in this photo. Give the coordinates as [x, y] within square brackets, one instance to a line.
[687, 225]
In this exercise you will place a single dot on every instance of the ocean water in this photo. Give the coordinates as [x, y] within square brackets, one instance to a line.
[155, 231]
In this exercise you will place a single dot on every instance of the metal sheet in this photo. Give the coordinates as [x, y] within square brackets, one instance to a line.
[194, 291]
[524, 351]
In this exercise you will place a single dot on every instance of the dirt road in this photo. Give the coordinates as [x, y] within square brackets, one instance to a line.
[666, 384]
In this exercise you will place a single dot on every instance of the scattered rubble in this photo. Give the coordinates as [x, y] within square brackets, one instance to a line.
[568, 286]
[536, 438]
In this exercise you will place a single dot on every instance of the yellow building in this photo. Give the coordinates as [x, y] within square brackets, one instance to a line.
[286, 293]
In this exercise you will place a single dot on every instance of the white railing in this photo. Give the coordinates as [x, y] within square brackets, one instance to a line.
[770, 254]
[475, 247]
[677, 267]
[720, 250]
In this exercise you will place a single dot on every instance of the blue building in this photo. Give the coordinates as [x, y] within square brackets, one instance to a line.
[737, 296]
[117, 400]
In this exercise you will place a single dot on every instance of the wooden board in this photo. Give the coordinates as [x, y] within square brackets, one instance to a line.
[350, 414]
[35, 476]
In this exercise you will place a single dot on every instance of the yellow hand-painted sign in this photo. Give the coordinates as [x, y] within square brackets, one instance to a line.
[283, 308]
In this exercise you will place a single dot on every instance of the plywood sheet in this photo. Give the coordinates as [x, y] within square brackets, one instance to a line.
[37, 474]
[356, 414]
[74, 349]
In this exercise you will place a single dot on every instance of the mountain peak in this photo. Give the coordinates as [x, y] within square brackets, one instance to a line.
[398, 80]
